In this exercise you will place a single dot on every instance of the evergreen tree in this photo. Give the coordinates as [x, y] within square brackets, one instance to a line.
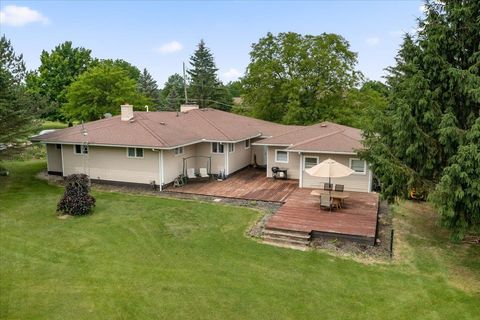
[457, 196]
[172, 94]
[18, 108]
[434, 103]
[205, 88]
[148, 87]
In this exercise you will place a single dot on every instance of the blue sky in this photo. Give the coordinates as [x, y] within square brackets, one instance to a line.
[160, 35]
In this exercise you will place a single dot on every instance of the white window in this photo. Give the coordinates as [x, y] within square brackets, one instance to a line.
[247, 144]
[178, 151]
[281, 156]
[231, 147]
[217, 147]
[358, 165]
[135, 152]
[310, 162]
[80, 149]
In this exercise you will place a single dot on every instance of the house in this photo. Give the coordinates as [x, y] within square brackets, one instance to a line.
[155, 147]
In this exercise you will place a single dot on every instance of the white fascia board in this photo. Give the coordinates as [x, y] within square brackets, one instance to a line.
[323, 152]
[271, 144]
[151, 147]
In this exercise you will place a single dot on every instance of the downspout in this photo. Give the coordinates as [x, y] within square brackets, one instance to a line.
[227, 171]
[369, 179]
[267, 160]
[301, 170]
[160, 170]
[63, 163]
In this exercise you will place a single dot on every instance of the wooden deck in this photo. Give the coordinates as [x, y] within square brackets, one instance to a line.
[249, 184]
[300, 213]
[357, 220]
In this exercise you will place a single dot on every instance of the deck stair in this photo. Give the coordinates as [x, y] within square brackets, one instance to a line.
[286, 238]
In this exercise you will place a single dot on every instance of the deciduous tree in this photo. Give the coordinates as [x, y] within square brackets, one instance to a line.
[58, 69]
[99, 90]
[298, 79]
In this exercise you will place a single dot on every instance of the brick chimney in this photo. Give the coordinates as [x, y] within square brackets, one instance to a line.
[127, 112]
[188, 107]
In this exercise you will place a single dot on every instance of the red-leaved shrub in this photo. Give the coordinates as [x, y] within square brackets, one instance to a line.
[76, 200]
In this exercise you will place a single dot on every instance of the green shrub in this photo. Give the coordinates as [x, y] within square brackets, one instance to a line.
[77, 199]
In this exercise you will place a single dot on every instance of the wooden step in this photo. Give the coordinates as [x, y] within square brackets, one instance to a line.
[290, 233]
[300, 242]
[286, 245]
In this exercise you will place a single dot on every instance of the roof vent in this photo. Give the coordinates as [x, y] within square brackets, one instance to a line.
[323, 125]
[162, 123]
[107, 115]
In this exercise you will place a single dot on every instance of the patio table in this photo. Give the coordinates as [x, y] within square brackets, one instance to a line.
[338, 197]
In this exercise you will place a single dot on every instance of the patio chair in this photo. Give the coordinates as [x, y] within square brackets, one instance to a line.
[204, 173]
[327, 186]
[325, 201]
[191, 173]
[339, 187]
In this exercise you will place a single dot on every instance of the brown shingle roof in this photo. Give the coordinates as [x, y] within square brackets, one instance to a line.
[168, 129]
[171, 129]
[322, 137]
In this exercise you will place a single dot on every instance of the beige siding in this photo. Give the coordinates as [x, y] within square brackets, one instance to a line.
[54, 158]
[218, 160]
[259, 152]
[240, 158]
[293, 164]
[354, 182]
[173, 164]
[108, 163]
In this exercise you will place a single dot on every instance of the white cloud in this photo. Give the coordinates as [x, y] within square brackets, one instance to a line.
[231, 74]
[372, 41]
[169, 47]
[19, 16]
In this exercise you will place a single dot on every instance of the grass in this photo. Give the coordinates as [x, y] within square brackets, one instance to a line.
[53, 125]
[143, 257]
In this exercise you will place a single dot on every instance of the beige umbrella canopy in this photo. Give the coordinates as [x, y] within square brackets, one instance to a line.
[329, 169]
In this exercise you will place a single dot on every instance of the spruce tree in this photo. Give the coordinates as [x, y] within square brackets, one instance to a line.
[434, 103]
[205, 88]
[148, 86]
[172, 94]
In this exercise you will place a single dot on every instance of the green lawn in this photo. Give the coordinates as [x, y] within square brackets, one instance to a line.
[140, 257]
[53, 125]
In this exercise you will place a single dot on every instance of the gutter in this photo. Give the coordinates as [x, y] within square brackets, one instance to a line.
[147, 147]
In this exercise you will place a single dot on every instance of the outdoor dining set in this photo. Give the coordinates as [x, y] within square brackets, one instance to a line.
[330, 197]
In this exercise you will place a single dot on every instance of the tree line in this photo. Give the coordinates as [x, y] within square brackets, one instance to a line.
[421, 128]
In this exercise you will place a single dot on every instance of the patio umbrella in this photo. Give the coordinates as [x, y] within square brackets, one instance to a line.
[331, 169]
